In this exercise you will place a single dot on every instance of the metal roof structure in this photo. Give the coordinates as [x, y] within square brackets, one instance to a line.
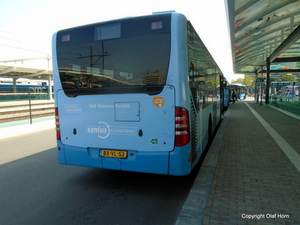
[264, 35]
[9, 70]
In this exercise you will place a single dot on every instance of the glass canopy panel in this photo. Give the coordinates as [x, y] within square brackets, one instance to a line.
[259, 27]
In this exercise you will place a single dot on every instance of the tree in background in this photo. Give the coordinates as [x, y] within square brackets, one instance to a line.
[287, 77]
[249, 80]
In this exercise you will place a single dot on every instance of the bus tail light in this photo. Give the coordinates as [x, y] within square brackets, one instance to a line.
[57, 125]
[182, 127]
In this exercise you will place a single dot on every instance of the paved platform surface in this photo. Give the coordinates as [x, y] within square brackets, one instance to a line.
[251, 172]
[18, 127]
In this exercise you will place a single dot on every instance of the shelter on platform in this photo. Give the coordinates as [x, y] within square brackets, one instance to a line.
[265, 36]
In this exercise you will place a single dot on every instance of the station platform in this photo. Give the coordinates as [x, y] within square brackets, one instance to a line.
[19, 127]
[251, 173]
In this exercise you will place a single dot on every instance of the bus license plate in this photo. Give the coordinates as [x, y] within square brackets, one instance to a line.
[114, 154]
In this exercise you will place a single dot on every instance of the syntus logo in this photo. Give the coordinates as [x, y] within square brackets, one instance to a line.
[102, 130]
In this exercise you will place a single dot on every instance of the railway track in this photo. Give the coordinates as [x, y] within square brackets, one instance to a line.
[17, 111]
[24, 114]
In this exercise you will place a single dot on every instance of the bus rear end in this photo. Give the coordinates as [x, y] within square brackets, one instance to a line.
[115, 109]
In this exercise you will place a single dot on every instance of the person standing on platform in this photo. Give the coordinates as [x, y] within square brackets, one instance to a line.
[233, 96]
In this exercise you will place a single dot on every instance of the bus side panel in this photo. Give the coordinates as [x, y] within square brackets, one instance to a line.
[225, 98]
[180, 163]
[178, 68]
[205, 113]
[56, 79]
[218, 112]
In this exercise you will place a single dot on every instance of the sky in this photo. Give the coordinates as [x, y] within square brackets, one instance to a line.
[26, 27]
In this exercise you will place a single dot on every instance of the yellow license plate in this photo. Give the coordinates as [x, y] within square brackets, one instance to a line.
[114, 154]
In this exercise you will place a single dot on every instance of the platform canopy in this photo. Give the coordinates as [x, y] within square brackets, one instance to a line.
[264, 31]
[9, 70]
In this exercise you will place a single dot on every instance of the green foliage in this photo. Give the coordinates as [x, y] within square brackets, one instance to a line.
[287, 77]
[249, 80]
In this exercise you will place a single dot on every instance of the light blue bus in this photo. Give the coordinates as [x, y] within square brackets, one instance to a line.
[226, 99]
[240, 89]
[135, 94]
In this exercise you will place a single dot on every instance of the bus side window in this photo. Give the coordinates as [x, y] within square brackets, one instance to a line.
[194, 86]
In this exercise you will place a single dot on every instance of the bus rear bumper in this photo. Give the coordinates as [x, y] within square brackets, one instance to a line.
[148, 162]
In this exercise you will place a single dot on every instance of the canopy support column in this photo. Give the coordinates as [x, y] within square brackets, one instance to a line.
[268, 81]
[15, 85]
[49, 88]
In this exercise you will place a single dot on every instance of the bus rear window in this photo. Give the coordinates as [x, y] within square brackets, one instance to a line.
[121, 65]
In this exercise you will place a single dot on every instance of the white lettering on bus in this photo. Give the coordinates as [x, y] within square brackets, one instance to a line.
[100, 106]
[73, 108]
[123, 130]
[121, 105]
[103, 106]
[103, 130]
[97, 130]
